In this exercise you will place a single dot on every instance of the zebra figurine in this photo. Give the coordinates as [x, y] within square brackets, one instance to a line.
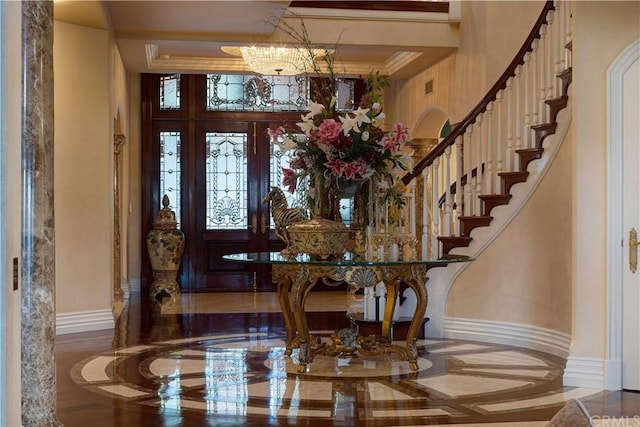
[282, 214]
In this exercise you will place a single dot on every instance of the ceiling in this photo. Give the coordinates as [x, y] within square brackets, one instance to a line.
[187, 36]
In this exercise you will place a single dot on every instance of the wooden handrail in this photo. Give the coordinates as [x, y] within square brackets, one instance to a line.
[439, 149]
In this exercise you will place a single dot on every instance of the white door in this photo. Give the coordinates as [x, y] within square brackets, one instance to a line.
[631, 219]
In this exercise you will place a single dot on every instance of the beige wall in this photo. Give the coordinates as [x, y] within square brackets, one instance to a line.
[488, 43]
[524, 276]
[83, 153]
[602, 30]
[11, 211]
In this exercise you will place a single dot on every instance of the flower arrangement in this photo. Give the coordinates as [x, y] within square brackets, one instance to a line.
[333, 149]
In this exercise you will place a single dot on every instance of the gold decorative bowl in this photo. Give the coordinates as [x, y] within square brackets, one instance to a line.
[318, 237]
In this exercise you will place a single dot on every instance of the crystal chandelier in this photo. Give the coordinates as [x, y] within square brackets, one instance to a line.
[272, 60]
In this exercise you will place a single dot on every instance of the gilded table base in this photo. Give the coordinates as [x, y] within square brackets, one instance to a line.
[295, 281]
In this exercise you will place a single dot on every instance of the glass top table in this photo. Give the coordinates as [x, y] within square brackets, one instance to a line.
[296, 276]
[349, 259]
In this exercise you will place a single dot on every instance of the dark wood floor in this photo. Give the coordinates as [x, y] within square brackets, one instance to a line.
[79, 407]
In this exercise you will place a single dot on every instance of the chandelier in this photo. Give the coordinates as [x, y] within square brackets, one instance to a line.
[273, 60]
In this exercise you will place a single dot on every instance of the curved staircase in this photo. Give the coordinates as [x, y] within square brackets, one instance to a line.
[495, 157]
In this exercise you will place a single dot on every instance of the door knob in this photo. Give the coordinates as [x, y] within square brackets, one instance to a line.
[633, 250]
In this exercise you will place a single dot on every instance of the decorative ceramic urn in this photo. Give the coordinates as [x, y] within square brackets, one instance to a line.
[165, 244]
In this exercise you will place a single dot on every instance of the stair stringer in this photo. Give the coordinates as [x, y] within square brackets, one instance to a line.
[440, 280]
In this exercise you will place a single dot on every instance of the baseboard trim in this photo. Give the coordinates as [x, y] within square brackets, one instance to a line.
[85, 321]
[584, 372]
[515, 334]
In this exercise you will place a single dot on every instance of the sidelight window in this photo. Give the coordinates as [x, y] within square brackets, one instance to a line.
[170, 170]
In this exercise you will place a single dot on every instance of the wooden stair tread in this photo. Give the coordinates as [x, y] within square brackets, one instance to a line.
[468, 223]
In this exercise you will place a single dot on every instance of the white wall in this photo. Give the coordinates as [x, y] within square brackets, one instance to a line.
[83, 161]
[11, 212]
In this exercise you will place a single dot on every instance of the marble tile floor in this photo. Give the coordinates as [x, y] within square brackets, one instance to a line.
[218, 359]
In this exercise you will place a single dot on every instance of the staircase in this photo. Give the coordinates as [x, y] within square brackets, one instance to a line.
[503, 143]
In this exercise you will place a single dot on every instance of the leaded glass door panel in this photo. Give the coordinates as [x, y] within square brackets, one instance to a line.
[232, 175]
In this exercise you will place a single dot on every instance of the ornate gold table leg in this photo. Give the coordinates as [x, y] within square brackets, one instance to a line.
[420, 289]
[301, 287]
[284, 287]
[392, 295]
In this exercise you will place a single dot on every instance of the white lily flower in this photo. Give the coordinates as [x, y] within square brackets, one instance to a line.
[365, 136]
[349, 123]
[306, 126]
[361, 116]
[315, 109]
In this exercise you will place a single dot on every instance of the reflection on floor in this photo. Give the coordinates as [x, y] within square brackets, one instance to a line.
[218, 359]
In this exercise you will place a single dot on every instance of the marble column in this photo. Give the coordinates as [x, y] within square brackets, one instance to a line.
[38, 244]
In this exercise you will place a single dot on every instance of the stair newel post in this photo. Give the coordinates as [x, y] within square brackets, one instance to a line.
[500, 145]
[435, 185]
[468, 167]
[426, 219]
[518, 113]
[446, 220]
[509, 114]
[534, 89]
[551, 56]
[479, 172]
[527, 87]
[543, 73]
[488, 186]
[459, 189]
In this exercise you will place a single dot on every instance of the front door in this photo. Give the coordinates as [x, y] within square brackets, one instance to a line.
[216, 166]
[232, 176]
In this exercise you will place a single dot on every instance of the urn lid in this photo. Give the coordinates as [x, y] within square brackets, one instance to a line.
[166, 218]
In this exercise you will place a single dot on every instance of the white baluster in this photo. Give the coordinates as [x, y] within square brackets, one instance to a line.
[526, 130]
[568, 33]
[446, 220]
[480, 164]
[435, 209]
[509, 112]
[488, 187]
[559, 37]
[551, 55]
[500, 145]
[543, 74]
[468, 167]
[517, 113]
[560, 22]
[534, 88]
[459, 190]
[412, 207]
[425, 213]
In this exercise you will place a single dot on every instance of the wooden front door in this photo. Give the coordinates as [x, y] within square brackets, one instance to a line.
[232, 176]
[215, 166]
